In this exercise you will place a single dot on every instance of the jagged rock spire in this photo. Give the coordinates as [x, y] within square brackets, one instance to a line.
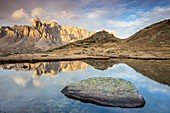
[37, 23]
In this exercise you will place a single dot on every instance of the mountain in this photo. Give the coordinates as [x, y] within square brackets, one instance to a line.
[91, 45]
[152, 39]
[150, 42]
[39, 36]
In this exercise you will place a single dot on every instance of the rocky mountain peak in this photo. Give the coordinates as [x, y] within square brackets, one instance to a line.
[41, 35]
[51, 24]
[103, 32]
[37, 23]
[102, 36]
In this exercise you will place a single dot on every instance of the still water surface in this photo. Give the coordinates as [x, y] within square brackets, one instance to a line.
[36, 88]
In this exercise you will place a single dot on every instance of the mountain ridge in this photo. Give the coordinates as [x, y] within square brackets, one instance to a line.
[156, 32]
[151, 42]
[39, 36]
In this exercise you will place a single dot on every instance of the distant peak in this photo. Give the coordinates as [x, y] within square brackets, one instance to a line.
[51, 23]
[37, 23]
[103, 32]
[37, 19]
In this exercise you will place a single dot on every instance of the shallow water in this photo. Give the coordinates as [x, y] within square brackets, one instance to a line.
[36, 88]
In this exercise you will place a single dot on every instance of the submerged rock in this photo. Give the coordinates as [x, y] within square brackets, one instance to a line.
[114, 92]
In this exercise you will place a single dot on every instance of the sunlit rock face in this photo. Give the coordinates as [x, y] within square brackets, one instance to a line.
[75, 33]
[39, 36]
[47, 68]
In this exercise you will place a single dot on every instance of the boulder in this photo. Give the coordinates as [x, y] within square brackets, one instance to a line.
[113, 92]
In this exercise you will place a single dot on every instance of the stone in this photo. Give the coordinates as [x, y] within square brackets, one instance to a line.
[113, 92]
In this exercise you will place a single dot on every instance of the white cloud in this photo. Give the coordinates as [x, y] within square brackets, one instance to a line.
[68, 15]
[124, 29]
[64, 18]
[21, 81]
[96, 19]
[156, 14]
[38, 12]
[124, 71]
[97, 14]
[19, 14]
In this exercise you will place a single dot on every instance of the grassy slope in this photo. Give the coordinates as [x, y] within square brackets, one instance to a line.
[155, 37]
[95, 44]
[152, 41]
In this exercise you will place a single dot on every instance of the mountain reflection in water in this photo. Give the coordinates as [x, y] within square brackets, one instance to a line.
[28, 88]
[158, 70]
[47, 68]
[155, 69]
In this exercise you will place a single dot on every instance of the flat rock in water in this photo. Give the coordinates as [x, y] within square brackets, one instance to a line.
[113, 92]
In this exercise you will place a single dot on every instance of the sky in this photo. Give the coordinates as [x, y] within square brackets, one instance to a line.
[123, 17]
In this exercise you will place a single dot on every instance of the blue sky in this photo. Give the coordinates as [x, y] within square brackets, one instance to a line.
[123, 17]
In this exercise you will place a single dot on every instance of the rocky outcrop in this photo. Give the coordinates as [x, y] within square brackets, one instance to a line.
[114, 92]
[75, 32]
[37, 23]
[39, 36]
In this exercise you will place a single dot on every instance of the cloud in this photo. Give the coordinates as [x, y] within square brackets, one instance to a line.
[124, 71]
[94, 15]
[21, 81]
[38, 12]
[97, 14]
[128, 28]
[63, 17]
[157, 12]
[37, 83]
[74, 17]
[68, 15]
[25, 80]
[140, 20]
[19, 14]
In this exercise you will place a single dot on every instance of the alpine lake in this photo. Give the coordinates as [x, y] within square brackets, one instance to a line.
[36, 87]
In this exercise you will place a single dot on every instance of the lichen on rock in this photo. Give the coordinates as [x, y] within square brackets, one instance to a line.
[107, 91]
